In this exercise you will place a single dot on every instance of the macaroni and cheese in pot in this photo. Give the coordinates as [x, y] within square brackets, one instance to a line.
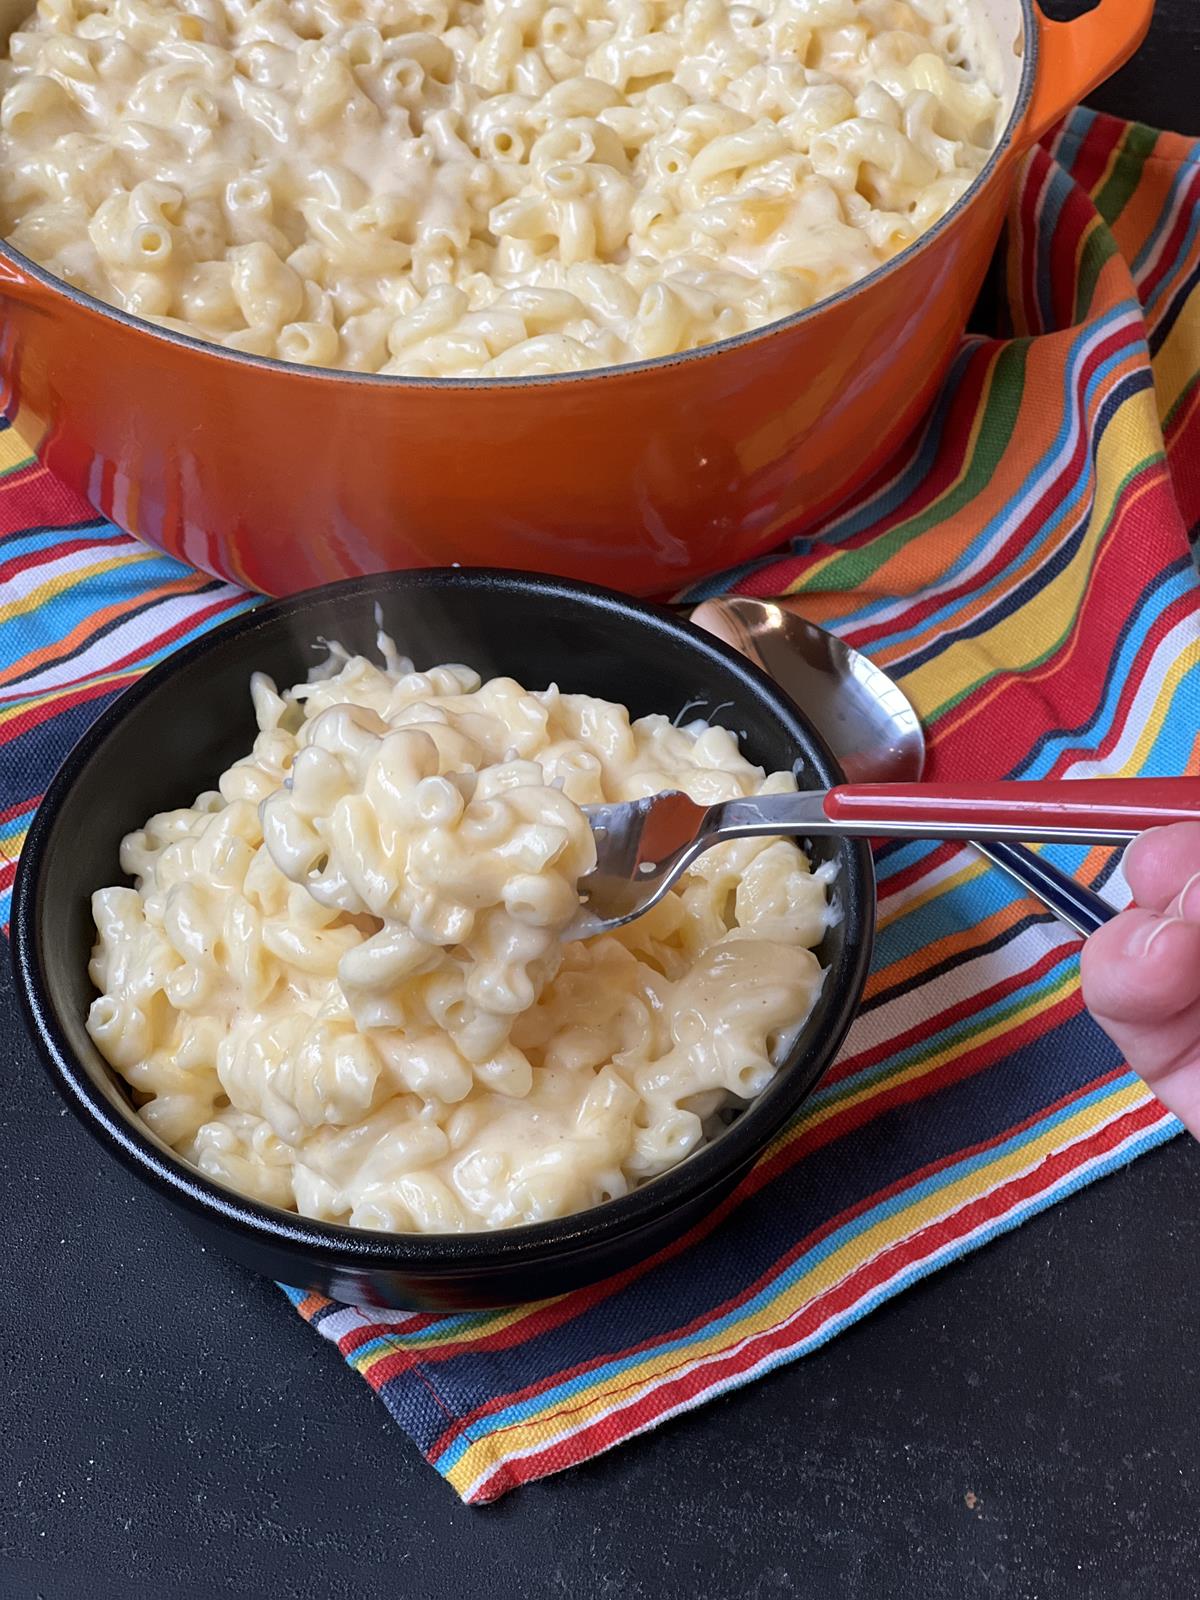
[338, 985]
[484, 187]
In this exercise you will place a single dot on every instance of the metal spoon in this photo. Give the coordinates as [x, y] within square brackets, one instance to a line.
[870, 725]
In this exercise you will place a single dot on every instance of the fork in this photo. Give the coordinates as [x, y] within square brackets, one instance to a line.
[643, 846]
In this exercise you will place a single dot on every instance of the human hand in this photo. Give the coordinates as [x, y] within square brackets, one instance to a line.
[1141, 971]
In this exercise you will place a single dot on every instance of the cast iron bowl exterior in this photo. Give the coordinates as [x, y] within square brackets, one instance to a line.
[170, 735]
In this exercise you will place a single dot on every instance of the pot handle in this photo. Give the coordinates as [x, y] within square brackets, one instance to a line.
[1073, 57]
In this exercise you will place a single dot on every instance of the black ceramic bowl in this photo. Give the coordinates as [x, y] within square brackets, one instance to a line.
[168, 738]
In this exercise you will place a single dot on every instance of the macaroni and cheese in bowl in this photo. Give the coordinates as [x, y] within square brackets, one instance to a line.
[336, 1024]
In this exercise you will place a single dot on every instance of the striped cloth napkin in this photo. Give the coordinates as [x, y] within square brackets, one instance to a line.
[1024, 568]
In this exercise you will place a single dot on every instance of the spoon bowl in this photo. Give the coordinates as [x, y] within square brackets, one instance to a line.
[864, 716]
[871, 726]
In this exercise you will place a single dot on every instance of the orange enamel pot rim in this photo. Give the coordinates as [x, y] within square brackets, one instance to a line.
[1062, 62]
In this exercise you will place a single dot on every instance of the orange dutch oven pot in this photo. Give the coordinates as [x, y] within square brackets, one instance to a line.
[642, 477]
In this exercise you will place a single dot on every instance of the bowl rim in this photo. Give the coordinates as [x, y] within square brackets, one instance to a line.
[1000, 150]
[479, 1251]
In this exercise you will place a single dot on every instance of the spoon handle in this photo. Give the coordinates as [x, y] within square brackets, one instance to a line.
[1071, 902]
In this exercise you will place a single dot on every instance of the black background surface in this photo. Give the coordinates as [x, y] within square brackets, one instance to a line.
[1023, 1425]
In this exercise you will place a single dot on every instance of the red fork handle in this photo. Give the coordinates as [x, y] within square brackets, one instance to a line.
[1086, 806]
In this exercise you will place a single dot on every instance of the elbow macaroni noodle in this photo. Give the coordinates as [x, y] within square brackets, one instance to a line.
[484, 187]
[339, 985]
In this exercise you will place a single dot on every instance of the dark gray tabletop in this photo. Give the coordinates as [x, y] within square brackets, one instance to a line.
[1023, 1425]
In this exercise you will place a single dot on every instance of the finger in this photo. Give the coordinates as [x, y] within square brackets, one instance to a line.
[1141, 969]
[1160, 862]
[1164, 1046]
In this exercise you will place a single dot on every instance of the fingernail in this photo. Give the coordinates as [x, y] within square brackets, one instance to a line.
[1143, 940]
[1181, 900]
